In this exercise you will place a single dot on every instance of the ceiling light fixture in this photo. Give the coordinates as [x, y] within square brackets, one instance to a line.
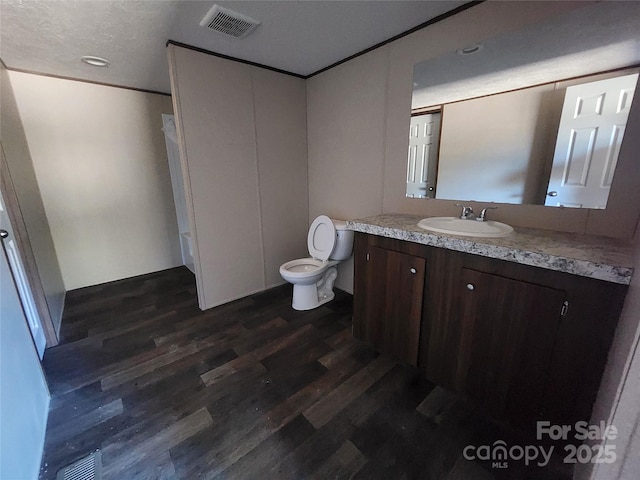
[470, 50]
[95, 61]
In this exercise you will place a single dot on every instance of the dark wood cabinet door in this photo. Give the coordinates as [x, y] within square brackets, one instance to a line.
[504, 343]
[507, 333]
[388, 308]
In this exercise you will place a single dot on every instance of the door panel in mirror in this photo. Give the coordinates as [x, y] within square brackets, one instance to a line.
[422, 160]
[503, 148]
[594, 117]
[591, 42]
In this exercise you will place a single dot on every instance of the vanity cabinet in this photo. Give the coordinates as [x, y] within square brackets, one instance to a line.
[501, 352]
[523, 343]
[389, 301]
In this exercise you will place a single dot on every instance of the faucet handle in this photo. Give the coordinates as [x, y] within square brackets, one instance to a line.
[467, 211]
[483, 214]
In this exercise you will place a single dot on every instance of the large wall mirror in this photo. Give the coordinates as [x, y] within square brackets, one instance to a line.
[534, 116]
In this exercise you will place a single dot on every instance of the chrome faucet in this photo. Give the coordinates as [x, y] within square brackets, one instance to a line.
[466, 213]
[483, 214]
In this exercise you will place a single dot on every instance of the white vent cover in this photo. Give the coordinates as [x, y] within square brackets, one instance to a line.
[87, 468]
[227, 21]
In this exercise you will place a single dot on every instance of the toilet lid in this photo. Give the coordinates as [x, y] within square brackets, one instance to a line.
[322, 238]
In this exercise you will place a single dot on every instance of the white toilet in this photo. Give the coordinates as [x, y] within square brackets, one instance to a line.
[329, 242]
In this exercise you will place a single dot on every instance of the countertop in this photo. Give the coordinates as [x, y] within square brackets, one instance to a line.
[603, 258]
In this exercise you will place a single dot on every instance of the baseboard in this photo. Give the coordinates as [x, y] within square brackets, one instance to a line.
[57, 320]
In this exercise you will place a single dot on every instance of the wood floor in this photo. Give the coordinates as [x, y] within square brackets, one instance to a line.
[252, 389]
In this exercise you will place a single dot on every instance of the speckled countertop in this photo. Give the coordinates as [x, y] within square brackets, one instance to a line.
[589, 256]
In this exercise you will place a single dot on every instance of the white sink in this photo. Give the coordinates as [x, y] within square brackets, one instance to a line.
[467, 228]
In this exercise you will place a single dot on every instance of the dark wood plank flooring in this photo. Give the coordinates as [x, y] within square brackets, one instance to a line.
[251, 389]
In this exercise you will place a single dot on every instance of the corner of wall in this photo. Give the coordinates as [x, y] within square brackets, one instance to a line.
[175, 99]
[616, 403]
[38, 250]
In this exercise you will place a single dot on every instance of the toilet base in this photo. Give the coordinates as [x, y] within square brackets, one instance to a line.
[305, 297]
[308, 297]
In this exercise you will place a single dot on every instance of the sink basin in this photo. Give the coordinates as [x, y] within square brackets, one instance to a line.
[467, 228]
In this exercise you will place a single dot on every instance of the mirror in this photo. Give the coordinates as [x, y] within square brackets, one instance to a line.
[527, 116]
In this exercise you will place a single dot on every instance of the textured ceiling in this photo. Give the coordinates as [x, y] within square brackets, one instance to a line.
[594, 38]
[296, 36]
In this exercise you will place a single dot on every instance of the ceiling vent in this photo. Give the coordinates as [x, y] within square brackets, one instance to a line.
[227, 21]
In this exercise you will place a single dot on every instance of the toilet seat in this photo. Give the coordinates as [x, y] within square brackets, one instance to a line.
[305, 270]
[321, 239]
[303, 267]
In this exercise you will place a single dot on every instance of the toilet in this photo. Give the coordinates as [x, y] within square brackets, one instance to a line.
[329, 242]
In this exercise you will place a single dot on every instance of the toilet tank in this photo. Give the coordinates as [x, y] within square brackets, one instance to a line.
[344, 241]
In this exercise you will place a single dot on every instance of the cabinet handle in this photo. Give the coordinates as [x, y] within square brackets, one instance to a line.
[470, 286]
[412, 270]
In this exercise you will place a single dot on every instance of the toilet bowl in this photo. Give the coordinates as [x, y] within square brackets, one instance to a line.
[329, 242]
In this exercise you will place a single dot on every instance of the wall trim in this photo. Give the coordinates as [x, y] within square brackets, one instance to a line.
[93, 82]
[233, 59]
[437, 19]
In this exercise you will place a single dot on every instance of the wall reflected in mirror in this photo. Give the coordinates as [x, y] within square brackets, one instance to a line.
[555, 143]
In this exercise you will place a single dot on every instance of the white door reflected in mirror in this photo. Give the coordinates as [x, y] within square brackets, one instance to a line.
[553, 145]
[501, 109]
[592, 125]
[422, 160]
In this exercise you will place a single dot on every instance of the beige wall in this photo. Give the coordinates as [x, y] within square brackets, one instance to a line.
[617, 402]
[345, 117]
[21, 167]
[384, 121]
[345, 111]
[495, 148]
[242, 133]
[101, 165]
[281, 130]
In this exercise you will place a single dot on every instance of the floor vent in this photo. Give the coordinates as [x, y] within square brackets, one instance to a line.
[227, 21]
[87, 468]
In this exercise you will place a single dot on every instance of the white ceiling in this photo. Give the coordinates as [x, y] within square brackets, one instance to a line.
[302, 37]
[593, 38]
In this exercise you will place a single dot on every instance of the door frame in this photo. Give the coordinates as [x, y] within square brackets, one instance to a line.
[25, 251]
